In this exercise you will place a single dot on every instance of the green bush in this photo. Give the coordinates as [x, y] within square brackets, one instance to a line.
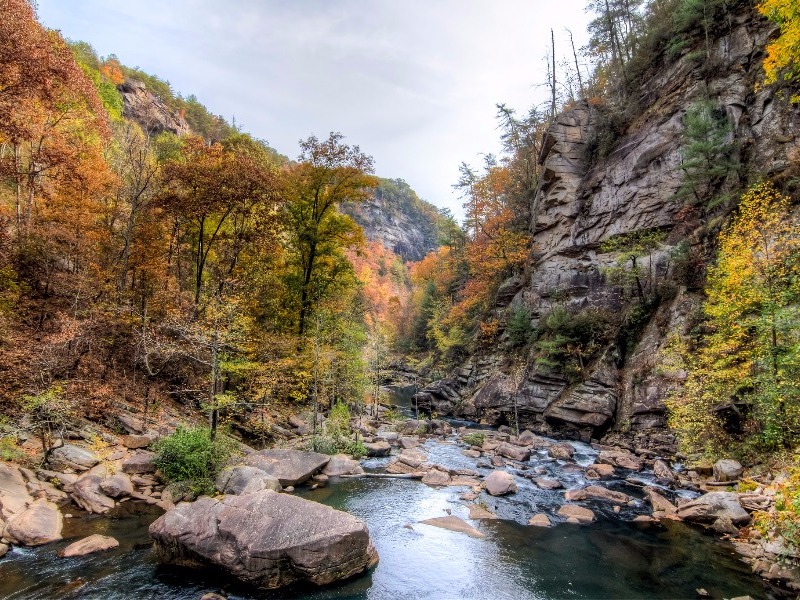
[473, 439]
[189, 457]
[336, 436]
[520, 330]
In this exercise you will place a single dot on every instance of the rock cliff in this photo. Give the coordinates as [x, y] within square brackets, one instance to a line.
[397, 218]
[146, 109]
[582, 202]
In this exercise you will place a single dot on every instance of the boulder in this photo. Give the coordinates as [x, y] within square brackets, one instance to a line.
[527, 438]
[463, 480]
[514, 452]
[379, 448]
[139, 462]
[599, 493]
[540, 520]
[117, 486]
[663, 473]
[245, 480]
[88, 545]
[658, 502]
[435, 477]
[471, 453]
[413, 458]
[266, 539]
[72, 457]
[290, 467]
[64, 480]
[88, 494]
[577, 514]
[453, 523]
[500, 483]
[341, 464]
[562, 451]
[409, 442]
[40, 523]
[14, 495]
[727, 470]
[547, 484]
[621, 459]
[599, 471]
[481, 513]
[712, 506]
[297, 422]
[135, 442]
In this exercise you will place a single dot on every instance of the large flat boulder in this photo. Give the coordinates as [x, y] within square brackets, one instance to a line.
[266, 539]
[40, 523]
[291, 467]
[712, 506]
[73, 457]
[140, 462]
[246, 480]
[341, 464]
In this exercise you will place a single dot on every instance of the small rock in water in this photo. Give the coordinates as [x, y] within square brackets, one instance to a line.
[212, 596]
[453, 523]
[500, 483]
[4, 548]
[578, 513]
[562, 451]
[702, 593]
[478, 512]
[88, 545]
[540, 520]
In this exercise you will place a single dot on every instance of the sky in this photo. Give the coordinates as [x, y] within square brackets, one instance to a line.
[414, 83]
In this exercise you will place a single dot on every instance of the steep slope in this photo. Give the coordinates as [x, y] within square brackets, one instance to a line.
[582, 204]
[397, 218]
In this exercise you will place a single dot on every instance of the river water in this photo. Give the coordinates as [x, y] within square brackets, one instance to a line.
[612, 558]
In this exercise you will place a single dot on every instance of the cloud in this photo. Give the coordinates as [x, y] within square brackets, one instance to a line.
[412, 82]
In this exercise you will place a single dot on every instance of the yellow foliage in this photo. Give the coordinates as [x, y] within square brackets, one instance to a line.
[782, 62]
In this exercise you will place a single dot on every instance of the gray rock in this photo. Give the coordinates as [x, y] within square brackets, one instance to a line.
[662, 472]
[563, 451]
[727, 470]
[436, 477]
[514, 452]
[73, 457]
[540, 520]
[341, 464]
[89, 545]
[139, 462]
[500, 483]
[547, 484]
[118, 485]
[134, 442]
[407, 442]
[246, 480]
[40, 523]
[88, 494]
[577, 514]
[290, 467]
[14, 495]
[378, 449]
[599, 471]
[599, 493]
[621, 459]
[266, 539]
[712, 506]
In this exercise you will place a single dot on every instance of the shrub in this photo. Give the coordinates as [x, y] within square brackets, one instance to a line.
[189, 457]
[520, 330]
[784, 520]
[336, 437]
[473, 439]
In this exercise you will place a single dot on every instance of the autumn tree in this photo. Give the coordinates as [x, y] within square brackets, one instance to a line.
[747, 370]
[328, 173]
[782, 63]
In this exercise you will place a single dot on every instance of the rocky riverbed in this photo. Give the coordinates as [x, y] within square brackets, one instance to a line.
[502, 516]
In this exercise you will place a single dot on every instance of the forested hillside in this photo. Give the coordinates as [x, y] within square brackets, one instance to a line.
[156, 258]
[628, 266]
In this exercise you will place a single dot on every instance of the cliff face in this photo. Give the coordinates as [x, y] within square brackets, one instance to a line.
[397, 218]
[580, 205]
[144, 108]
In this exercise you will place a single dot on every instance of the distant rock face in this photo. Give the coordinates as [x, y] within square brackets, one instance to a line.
[397, 218]
[266, 539]
[583, 202]
[141, 106]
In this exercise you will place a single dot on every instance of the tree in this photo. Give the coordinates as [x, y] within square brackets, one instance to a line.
[219, 198]
[782, 63]
[327, 174]
[748, 367]
[49, 414]
[707, 154]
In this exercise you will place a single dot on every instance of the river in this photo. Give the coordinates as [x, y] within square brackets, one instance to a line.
[612, 558]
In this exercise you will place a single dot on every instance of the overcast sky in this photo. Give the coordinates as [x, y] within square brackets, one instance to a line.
[413, 82]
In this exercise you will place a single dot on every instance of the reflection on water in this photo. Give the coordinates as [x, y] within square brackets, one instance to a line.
[611, 559]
